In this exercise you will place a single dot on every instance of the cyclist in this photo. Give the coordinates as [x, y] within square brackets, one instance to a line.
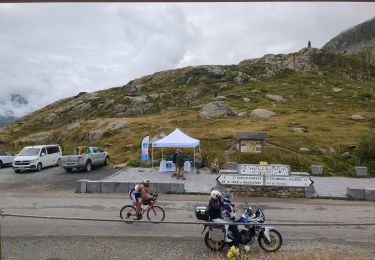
[139, 194]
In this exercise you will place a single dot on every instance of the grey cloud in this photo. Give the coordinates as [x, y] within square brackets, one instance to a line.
[52, 51]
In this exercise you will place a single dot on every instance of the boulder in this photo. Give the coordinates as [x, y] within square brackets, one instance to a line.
[357, 117]
[304, 150]
[332, 150]
[95, 135]
[116, 125]
[262, 113]
[337, 90]
[215, 109]
[299, 130]
[81, 107]
[242, 114]
[246, 99]
[219, 98]
[274, 97]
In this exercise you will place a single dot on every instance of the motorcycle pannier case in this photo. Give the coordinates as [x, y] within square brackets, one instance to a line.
[201, 213]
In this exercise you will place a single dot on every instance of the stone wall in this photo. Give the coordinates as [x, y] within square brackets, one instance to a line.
[266, 191]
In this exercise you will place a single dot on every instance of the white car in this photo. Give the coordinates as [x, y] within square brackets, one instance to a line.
[37, 157]
[6, 158]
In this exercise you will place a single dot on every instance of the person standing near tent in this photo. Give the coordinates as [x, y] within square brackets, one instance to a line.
[180, 164]
[198, 161]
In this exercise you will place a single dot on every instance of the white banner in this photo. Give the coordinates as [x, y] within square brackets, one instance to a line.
[144, 148]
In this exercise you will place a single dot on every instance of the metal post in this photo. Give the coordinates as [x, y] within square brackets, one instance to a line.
[1, 241]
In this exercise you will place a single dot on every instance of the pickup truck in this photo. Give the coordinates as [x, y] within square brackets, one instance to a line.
[84, 158]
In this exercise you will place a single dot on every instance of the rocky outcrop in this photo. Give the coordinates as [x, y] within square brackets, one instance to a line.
[354, 39]
[50, 118]
[38, 138]
[302, 61]
[116, 125]
[262, 113]
[215, 109]
[95, 135]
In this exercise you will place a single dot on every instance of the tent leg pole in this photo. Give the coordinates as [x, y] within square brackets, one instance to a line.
[152, 158]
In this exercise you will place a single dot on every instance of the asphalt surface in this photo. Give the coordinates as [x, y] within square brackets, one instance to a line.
[52, 178]
[51, 193]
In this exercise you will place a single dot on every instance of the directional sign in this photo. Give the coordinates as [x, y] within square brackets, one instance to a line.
[240, 180]
[273, 169]
[287, 181]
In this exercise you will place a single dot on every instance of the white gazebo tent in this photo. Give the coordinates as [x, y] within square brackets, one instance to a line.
[176, 139]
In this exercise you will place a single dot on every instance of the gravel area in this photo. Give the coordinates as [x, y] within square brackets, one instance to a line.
[166, 248]
[49, 179]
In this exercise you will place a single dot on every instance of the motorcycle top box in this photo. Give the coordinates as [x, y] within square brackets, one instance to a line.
[201, 213]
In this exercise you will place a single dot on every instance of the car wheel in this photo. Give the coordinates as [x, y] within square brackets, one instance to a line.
[39, 167]
[88, 166]
[1, 164]
[106, 161]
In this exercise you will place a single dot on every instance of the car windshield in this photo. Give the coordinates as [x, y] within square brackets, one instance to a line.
[29, 151]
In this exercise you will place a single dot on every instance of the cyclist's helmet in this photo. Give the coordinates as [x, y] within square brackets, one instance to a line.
[216, 195]
[227, 197]
[146, 183]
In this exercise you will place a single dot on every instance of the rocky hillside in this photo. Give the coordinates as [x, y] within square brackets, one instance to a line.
[354, 39]
[317, 107]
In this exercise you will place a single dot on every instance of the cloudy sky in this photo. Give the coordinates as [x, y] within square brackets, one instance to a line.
[53, 51]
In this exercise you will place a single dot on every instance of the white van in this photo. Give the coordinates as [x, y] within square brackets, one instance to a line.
[37, 157]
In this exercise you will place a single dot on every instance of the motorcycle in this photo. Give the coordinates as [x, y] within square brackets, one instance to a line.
[269, 238]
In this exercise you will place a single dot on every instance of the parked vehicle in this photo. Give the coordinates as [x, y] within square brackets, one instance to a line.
[84, 157]
[269, 238]
[37, 157]
[6, 158]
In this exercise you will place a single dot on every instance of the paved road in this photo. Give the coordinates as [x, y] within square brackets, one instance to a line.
[50, 192]
[25, 238]
[178, 208]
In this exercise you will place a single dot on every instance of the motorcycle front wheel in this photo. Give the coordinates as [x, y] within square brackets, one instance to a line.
[274, 245]
[213, 244]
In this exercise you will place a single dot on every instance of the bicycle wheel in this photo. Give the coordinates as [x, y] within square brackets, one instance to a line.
[155, 213]
[127, 211]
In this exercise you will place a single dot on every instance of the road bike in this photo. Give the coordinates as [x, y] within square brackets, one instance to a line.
[154, 212]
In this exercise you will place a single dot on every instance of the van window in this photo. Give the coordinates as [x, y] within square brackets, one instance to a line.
[53, 149]
[3, 153]
[29, 151]
[43, 151]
